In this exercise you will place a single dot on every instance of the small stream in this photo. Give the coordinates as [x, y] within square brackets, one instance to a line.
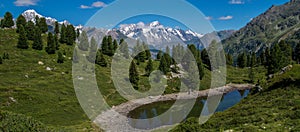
[150, 111]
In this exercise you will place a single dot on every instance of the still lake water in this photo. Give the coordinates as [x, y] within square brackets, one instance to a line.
[152, 111]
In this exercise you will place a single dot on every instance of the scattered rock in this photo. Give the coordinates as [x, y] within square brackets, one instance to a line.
[63, 73]
[26, 76]
[48, 69]
[41, 63]
[12, 99]
[80, 78]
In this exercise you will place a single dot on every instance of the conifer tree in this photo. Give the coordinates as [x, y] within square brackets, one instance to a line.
[134, 75]
[83, 42]
[297, 53]
[62, 34]
[124, 48]
[56, 29]
[159, 55]
[242, 60]
[56, 42]
[37, 41]
[30, 29]
[100, 60]
[115, 45]
[205, 58]
[60, 58]
[1, 61]
[248, 60]
[104, 45]
[200, 69]
[286, 53]
[8, 21]
[229, 59]
[110, 51]
[163, 66]
[20, 21]
[22, 40]
[253, 60]
[70, 35]
[149, 67]
[275, 59]
[77, 33]
[92, 50]
[43, 25]
[51, 47]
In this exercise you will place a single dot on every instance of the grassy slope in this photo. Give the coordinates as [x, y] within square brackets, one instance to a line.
[49, 97]
[277, 108]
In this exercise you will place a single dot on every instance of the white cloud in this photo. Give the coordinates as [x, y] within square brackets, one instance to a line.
[209, 18]
[25, 2]
[97, 4]
[85, 7]
[236, 2]
[226, 18]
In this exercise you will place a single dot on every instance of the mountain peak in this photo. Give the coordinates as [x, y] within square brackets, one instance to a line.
[155, 24]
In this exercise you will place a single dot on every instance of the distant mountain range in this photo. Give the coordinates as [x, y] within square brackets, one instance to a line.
[277, 23]
[154, 33]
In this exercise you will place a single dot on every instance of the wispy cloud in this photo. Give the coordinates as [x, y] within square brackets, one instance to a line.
[226, 18]
[97, 4]
[25, 2]
[209, 18]
[236, 2]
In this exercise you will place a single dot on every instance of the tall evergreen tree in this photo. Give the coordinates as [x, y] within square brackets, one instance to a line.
[70, 35]
[8, 21]
[149, 67]
[51, 47]
[253, 60]
[30, 29]
[22, 40]
[56, 28]
[229, 59]
[134, 75]
[200, 69]
[275, 59]
[37, 41]
[110, 46]
[92, 50]
[297, 53]
[60, 58]
[83, 42]
[104, 45]
[205, 58]
[1, 61]
[163, 66]
[43, 25]
[115, 45]
[62, 34]
[242, 60]
[20, 21]
[100, 60]
[287, 53]
[248, 60]
[56, 42]
[124, 49]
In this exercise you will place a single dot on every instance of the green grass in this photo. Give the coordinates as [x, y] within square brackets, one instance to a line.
[276, 108]
[49, 96]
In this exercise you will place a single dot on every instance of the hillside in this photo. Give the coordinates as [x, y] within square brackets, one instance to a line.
[276, 108]
[277, 23]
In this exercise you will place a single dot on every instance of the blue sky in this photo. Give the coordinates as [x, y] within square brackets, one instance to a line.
[223, 14]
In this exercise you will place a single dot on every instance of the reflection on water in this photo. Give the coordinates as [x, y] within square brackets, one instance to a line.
[180, 111]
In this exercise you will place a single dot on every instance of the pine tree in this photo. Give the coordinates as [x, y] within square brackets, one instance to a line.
[70, 35]
[92, 50]
[149, 67]
[275, 59]
[60, 58]
[297, 53]
[37, 41]
[1, 61]
[115, 45]
[124, 48]
[159, 55]
[251, 75]
[253, 60]
[77, 33]
[134, 75]
[63, 34]
[287, 53]
[43, 25]
[51, 47]
[163, 66]
[110, 51]
[229, 59]
[8, 21]
[30, 29]
[248, 60]
[242, 60]
[205, 58]
[100, 60]
[56, 29]
[56, 42]
[20, 21]
[22, 40]
[83, 42]
[104, 45]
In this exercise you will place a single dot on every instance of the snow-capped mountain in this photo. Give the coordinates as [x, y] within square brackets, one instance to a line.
[158, 35]
[31, 14]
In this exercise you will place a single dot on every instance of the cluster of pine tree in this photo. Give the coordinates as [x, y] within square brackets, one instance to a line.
[273, 58]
